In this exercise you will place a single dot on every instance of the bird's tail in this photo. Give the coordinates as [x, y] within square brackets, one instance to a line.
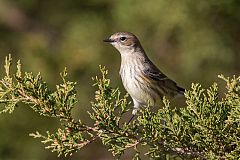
[180, 90]
[179, 98]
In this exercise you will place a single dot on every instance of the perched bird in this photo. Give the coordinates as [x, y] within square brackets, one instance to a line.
[144, 82]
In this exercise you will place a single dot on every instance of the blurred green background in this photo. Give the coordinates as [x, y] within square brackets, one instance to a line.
[190, 41]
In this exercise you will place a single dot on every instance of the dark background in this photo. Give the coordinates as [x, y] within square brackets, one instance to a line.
[190, 41]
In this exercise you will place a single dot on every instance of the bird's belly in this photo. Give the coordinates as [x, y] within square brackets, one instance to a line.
[139, 92]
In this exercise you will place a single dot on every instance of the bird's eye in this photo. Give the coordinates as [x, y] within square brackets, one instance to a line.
[123, 38]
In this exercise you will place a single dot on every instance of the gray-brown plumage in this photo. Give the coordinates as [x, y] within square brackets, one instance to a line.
[141, 78]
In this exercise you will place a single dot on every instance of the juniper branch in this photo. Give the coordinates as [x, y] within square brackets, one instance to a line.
[207, 128]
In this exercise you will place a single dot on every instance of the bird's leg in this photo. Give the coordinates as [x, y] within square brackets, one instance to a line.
[131, 119]
[135, 110]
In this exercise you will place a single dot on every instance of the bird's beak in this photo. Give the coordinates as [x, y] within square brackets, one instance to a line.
[109, 40]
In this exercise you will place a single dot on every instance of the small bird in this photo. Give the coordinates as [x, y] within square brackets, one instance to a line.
[144, 82]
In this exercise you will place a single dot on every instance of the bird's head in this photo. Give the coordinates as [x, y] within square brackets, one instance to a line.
[124, 42]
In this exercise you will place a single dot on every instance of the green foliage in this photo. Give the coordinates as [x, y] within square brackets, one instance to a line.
[208, 127]
[191, 41]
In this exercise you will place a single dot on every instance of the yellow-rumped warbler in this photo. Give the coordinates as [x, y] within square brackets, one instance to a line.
[145, 83]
